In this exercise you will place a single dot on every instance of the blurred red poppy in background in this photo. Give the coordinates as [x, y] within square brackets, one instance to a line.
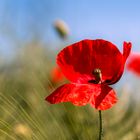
[90, 65]
[57, 75]
[134, 63]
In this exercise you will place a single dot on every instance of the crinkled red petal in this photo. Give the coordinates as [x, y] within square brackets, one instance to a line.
[77, 61]
[99, 96]
[78, 94]
[104, 99]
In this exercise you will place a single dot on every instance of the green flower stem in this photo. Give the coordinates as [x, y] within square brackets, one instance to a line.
[100, 126]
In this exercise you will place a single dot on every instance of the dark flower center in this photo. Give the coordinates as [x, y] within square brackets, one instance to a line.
[98, 76]
[107, 81]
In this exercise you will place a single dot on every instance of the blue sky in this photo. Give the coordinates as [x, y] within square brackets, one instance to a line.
[113, 20]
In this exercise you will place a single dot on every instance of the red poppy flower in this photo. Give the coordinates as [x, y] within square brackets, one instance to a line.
[134, 63]
[56, 75]
[90, 65]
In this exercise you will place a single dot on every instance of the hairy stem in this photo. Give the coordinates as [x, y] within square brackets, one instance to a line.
[100, 126]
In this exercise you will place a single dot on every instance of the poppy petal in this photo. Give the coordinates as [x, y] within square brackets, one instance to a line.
[78, 94]
[126, 49]
[126, 52]
[134, 63]
[104, 99]
[78, 61]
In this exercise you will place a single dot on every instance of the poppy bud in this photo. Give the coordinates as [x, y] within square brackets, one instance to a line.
[61, 28]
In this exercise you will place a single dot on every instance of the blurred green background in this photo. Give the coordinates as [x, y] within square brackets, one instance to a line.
[31, 34]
